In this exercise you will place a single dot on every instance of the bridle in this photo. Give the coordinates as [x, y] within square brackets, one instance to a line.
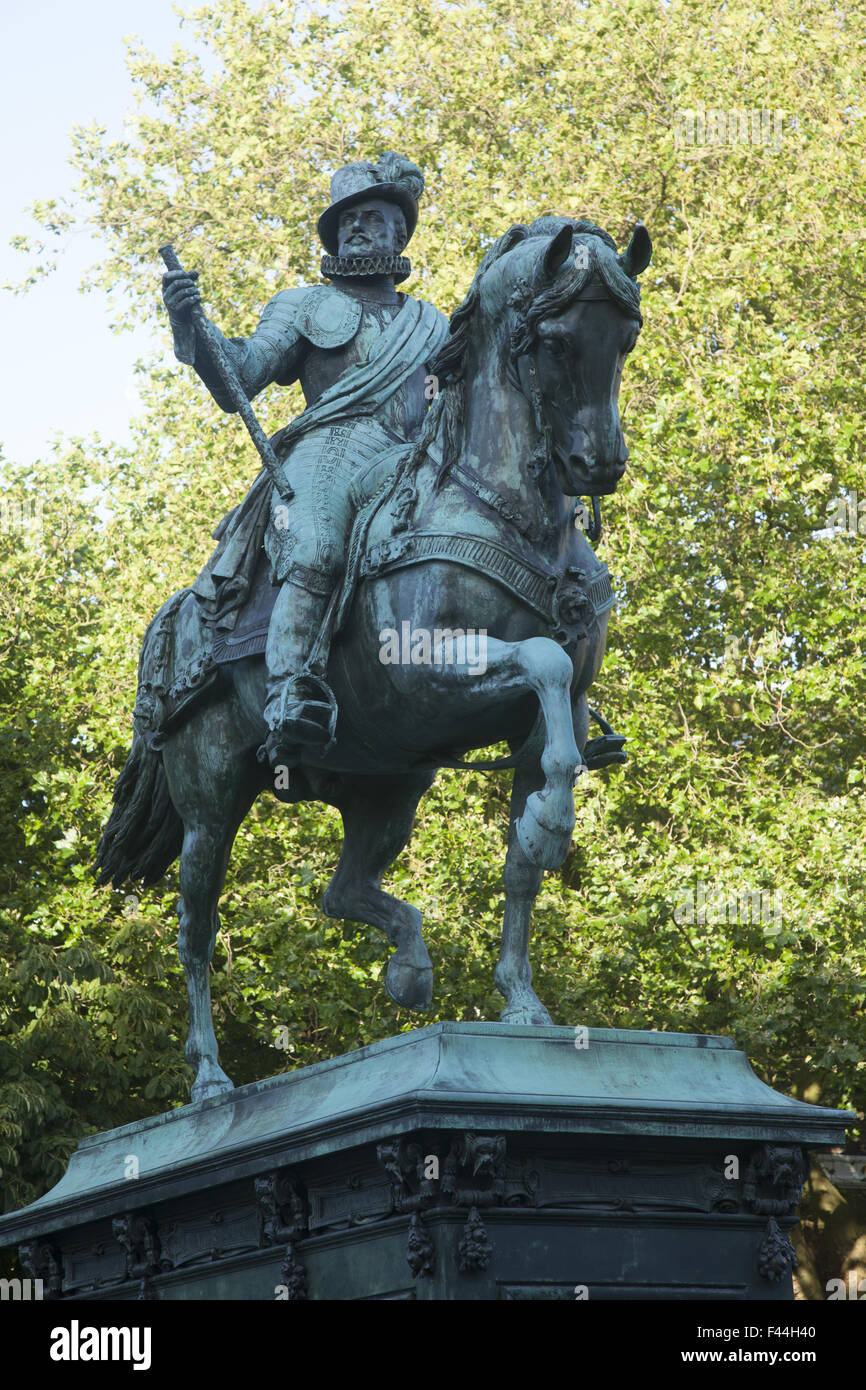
[542, 455]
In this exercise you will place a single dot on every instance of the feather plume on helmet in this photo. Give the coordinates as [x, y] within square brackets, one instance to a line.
[393, 178]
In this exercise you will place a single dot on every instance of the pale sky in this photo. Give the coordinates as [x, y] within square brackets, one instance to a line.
[62, 63]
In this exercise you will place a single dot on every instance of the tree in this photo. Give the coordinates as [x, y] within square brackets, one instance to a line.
[735, 661]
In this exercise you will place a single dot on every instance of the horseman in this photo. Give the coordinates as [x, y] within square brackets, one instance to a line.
[361, 351]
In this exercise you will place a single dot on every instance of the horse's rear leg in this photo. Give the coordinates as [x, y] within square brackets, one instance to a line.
[377, 821]
[212, 787]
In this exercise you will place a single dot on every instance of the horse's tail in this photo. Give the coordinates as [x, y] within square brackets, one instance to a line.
[144, 834]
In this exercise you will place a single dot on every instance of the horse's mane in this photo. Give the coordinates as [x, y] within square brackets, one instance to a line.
[445, 416]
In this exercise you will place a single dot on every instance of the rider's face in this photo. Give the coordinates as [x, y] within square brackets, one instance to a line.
[369, 229]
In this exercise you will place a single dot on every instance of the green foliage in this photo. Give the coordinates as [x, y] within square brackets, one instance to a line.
[735, 661]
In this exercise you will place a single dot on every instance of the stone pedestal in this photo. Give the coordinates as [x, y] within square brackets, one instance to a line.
[460, 1161]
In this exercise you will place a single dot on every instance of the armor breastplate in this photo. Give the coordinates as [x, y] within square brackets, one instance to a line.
[404, 412]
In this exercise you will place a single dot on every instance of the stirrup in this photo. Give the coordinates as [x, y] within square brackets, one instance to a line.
[299, 707]
[604, 751]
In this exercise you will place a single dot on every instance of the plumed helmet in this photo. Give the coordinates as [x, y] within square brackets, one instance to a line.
[393, 178]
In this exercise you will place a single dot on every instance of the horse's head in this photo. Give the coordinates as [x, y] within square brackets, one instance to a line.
[570, 307]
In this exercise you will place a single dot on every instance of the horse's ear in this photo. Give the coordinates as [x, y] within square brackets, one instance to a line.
[557, 252]
[636, 257]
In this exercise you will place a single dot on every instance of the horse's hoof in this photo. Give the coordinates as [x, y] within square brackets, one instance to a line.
[409, 986]
[527, 1015]
[545, 839]
[215, 1084]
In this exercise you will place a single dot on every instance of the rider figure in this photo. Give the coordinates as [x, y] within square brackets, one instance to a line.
[361, 351]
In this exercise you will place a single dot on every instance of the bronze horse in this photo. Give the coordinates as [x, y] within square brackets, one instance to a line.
[480, 528]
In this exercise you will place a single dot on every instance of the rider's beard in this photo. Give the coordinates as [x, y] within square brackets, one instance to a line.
[374, 263]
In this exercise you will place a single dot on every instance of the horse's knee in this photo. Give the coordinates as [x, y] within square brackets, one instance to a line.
[546, 662]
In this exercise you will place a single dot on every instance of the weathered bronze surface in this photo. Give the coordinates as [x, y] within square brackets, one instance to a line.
[362, 565]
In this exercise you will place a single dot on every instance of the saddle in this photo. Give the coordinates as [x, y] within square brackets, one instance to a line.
[568, 601]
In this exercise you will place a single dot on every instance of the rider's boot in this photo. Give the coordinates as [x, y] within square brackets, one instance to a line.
[295, 712]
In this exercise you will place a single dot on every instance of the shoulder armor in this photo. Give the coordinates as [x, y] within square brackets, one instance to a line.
[327, 317]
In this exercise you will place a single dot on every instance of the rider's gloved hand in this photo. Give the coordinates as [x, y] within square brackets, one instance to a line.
[180, 295]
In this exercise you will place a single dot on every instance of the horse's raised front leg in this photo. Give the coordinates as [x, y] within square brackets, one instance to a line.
[377, 821]
[545, 827]
[546, 821]
[212, 787]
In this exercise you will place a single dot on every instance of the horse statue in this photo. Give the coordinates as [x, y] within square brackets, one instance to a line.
[478, 527]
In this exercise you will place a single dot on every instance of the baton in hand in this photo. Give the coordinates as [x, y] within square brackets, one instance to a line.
[229, 378]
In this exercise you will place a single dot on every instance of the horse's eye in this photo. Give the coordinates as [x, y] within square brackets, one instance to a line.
[558, 347]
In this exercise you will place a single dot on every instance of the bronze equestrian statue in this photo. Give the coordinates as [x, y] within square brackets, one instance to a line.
[475, 522]
[362, 353]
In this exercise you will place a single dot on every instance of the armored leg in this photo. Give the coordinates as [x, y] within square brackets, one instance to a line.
[306, 542]
[297, 711]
